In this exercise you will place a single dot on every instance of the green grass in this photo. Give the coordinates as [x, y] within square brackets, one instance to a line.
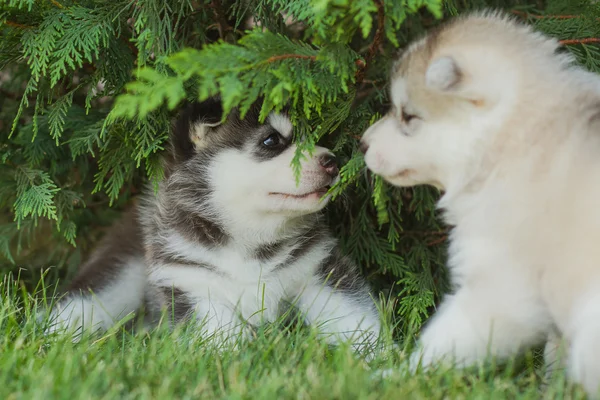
[277, 364]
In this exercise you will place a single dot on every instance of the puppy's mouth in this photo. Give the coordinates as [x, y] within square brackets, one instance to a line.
[405, 173]
[310, 195]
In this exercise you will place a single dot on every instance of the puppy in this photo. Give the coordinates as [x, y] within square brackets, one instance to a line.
[228, 239]
[508, 128]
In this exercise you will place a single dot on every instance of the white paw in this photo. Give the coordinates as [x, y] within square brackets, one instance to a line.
[74, 317]
[584, 360]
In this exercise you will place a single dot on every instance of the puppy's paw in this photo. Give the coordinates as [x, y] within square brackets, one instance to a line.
[73, 317]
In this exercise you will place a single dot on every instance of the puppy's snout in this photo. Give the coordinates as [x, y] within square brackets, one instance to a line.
[329, 163]
[363, 146]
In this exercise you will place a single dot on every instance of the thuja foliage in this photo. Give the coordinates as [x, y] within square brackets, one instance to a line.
[88, 89]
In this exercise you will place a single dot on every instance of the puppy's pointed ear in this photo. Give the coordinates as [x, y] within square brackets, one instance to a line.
[194, 125]
[443, 74]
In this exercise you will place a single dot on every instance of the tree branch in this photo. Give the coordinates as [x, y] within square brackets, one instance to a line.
[286, 56]
[57, 4]
[564, 41]
[580, 41]
[438, 237]
[527, 15]
[17, 25]
[222, 24]
[8, 94]
[360, 75]
[437, 241]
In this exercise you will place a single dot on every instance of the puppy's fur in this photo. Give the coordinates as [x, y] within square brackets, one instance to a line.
[490, 112]
[228, 239]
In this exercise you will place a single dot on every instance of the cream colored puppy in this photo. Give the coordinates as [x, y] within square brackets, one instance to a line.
[489, 112]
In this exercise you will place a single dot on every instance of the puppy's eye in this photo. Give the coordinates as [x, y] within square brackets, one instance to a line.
[272, 140]
[406, 117]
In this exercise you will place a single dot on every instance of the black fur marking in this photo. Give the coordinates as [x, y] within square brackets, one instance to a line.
[186, 193]
[561, 49]
[196, 228]
[594, 119]
[177, 305]
[268, 250]
[121, 244]
[169, 259]
[209, 111]
[341, 274]
[305, 243]
[207, 230]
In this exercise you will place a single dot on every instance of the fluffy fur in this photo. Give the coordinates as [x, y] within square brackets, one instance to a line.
[228, 239]
[508, 130]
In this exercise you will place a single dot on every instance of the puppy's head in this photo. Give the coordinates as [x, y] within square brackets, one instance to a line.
[242, 169]
[453, 93]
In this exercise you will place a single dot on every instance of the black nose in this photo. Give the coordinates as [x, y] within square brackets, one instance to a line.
[329, 164]
[363, 147]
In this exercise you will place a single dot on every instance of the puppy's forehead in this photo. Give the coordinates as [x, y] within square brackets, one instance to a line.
[281, 123]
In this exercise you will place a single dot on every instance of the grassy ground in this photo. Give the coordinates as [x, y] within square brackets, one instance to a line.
[278, 364]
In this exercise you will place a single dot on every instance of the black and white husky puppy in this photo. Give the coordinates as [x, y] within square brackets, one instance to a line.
[228, 238]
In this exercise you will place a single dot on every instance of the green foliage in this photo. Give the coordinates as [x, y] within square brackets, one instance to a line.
[88, 89]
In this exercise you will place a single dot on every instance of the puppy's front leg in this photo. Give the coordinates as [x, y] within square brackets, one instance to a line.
[480, 321]
[221, 323]
[217, 321]
[341, 315]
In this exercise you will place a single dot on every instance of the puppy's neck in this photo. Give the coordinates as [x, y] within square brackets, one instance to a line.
[257, 230]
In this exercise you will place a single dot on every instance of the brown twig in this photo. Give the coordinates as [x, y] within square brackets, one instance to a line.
[439, 237]
[437, 241]
[527, 15]
[131, 46]
[360, 74]
[443, 232]
[8, 94]
[57, 4]
[222, 24]
[17, 25]
[564, 41]
[376, 83]
[580, 41]
[286, 56]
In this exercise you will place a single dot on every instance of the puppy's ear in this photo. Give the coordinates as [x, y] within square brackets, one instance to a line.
[443, 74]
[194, 125]
[446, 75]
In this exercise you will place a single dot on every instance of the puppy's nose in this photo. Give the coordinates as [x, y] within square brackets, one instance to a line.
[363, 146]
[329, 164]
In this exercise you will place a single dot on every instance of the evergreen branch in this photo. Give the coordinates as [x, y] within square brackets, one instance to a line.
[379, 33]
[579, 41]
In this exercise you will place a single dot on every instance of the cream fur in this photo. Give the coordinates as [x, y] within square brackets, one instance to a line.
[512, 139]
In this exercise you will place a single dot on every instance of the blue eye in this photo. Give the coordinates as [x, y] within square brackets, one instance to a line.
[271, 140]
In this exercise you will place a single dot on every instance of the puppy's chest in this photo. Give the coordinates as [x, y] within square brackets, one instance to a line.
[233, 269]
